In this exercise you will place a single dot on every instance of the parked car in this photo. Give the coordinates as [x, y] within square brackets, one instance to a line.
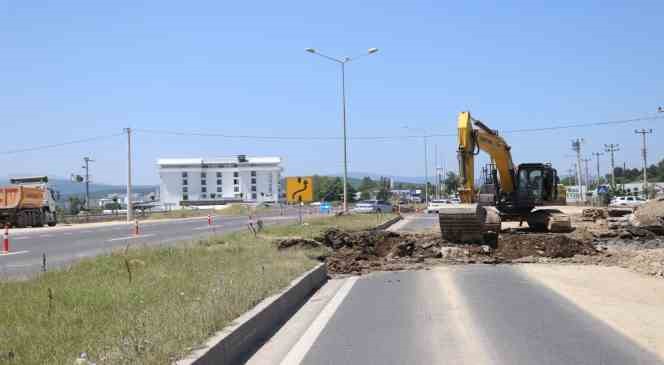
[435, 205]
[627, 201]
[372, 206]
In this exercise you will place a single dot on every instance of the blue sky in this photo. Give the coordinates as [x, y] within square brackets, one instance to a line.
[77, 69]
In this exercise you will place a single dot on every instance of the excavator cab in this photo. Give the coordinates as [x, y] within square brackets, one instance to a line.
[536, 184]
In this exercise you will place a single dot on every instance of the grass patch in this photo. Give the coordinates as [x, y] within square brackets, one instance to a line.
[176, 298]
[232, 210]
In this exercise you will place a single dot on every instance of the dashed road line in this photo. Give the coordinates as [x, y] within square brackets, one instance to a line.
[13, 253]
[130, 237]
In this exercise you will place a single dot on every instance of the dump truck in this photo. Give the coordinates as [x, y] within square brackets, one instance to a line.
[28, 201]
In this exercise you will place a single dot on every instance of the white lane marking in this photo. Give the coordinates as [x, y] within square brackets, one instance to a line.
[20, 238]
[297, 353]
[209, 227]
[45, 235]
[130, 237]
[12, 253]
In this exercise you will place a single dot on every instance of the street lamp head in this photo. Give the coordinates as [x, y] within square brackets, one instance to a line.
[373, 50]
[310, 50]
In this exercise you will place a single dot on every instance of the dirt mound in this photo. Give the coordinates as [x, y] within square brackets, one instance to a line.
[649, 214]
[515, 246]
[297, 242]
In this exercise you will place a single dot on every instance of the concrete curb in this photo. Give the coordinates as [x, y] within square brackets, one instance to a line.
[238, 341]
[388, 223]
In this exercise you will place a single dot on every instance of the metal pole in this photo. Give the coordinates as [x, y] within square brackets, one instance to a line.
[587, 177]
[87, 182]
[435, 171]
[343, 111]
[644, 152]
[612, 148]
[597, 154]
[130, 206]
[576, 147]
[426, 173]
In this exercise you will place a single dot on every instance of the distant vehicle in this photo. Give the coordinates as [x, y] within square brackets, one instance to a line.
[455, 201]
[435, 205]
[627, 201]
[28, 201]
[372, 206]
[315, 204]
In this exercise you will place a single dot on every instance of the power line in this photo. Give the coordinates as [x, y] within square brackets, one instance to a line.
[84, 140]
[377, 138]
[323, 138]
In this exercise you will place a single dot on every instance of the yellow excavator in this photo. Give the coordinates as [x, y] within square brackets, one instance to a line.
[508, 192]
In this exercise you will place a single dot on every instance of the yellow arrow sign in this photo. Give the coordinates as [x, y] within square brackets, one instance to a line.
[299, 189]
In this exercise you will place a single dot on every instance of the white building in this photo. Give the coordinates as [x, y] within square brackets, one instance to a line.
[197, 181]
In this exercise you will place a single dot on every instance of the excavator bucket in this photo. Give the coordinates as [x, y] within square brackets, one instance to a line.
[478, 225]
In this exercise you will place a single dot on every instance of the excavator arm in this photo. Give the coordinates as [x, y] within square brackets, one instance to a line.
[471, 141]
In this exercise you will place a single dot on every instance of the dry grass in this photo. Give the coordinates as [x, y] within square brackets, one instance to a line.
[150, 306]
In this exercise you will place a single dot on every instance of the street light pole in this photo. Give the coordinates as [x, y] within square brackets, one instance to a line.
[343, 62]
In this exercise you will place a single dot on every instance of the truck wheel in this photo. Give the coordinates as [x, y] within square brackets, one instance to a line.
[54, 221]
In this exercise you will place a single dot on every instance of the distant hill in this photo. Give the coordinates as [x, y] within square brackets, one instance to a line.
[67, 187]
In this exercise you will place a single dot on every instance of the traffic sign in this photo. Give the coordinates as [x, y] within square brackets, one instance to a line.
[299, 189]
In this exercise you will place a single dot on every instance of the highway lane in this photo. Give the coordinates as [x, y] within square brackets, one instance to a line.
[474, 314]
[64, 245]
[461, 314]
[414, 223]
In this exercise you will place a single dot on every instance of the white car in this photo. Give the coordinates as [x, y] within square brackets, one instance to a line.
[372, 206]
[435, 205]
[627, 201]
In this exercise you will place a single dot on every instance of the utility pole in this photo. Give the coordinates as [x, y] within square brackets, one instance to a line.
[597, 154]
[426, 173]
[611, 148]
[585, 161]
[87, 161]
[644, 152]
[576, 147]
[130, 206]
[435, 169]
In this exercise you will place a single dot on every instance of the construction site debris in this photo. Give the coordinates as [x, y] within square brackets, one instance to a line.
[592, 214]
[649, 214]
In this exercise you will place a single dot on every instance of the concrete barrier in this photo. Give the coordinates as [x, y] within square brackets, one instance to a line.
[237, 342]
[388, 223]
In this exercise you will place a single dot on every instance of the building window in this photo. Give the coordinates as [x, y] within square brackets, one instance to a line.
[253, 188]
[203, 189]
[203, 182]
[185, 189]
[236, 189]
[213, 195]
[185, 182]
[218, 189]
[253, 173]
[253, 180]
[236, 182]
[185, 197]
[219, 175]
[253, 196]
[203, 196]
[218, 181]
[203, 175]
[236, 174]
[184, 174]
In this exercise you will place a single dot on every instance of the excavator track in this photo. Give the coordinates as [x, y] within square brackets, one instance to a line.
[470, 225]
[549, 220]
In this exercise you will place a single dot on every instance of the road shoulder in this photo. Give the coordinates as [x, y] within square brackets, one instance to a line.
[630, 303]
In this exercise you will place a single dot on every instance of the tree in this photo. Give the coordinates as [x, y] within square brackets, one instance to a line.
[451, 182]
[75, 204]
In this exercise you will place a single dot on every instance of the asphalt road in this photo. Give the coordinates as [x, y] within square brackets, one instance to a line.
[470, 314]
[63, 245]
[419, 223]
